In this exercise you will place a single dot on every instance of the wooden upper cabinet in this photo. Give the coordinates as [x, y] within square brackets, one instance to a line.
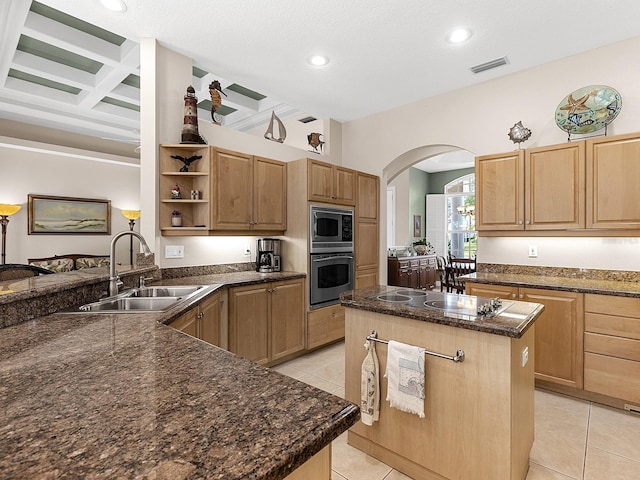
[367, 229]
[345, 186]
[500, 191]
[269, 194]
[537, 189]
[248, 193]
[555, 187]
[613, 171]
[368, 187]
[331, 184]
[232, 195]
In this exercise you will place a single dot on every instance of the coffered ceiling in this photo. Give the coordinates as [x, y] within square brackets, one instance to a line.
[74, 66]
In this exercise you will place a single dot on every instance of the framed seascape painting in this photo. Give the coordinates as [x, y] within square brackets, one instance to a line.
[68, 215]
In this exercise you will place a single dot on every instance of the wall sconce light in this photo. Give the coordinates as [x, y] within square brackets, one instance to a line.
[132, 216]
[6, 210]
[465, 210]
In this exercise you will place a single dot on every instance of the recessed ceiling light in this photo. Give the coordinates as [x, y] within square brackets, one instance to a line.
[318, 60]
[459, 35]
[114, 5]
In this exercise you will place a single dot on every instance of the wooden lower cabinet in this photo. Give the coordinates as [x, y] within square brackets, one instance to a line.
[266, 321]
[559, 330]
[325, 325]
[612, 346]
[203, 321]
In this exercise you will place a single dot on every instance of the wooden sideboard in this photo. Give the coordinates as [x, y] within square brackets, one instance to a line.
[412, 272]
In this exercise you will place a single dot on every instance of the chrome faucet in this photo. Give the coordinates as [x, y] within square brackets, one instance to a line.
[114, 279]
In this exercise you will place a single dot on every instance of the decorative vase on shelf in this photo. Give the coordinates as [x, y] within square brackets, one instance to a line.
[176, 219]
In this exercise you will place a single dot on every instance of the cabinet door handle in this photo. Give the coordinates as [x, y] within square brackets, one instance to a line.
[200, 315]
[513, 295]
[521, 296]
[519, 222]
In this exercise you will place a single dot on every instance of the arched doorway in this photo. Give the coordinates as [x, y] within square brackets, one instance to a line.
[437, 162]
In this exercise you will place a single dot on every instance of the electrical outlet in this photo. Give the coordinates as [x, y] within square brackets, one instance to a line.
[174, 251]
[525, 356]
[247, 250]
[533, 251]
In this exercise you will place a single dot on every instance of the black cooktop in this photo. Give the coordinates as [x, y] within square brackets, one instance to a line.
[448, 303]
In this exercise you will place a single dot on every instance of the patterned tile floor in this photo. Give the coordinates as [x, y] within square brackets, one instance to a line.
[575, 439]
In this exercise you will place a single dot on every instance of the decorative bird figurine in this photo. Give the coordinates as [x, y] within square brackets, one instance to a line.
[216, 100]
[519, 133]
[186, 161]
[315, 141]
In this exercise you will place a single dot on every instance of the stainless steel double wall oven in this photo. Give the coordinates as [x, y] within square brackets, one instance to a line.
[331, 247]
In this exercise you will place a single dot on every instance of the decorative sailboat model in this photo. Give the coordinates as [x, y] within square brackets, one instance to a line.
[282, 132]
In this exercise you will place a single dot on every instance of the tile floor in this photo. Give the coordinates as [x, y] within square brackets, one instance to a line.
[575, 439]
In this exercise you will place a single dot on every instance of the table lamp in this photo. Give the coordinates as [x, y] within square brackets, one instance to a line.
[6, 210]
[132, 216]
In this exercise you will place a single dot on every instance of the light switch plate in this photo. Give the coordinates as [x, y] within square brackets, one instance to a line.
[174, 251]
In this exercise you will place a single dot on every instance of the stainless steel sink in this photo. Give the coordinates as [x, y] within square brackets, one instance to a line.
[147, 299]
[160, 291]
[135, 304]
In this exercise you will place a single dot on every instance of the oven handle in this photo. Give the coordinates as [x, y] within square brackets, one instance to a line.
[337, 257]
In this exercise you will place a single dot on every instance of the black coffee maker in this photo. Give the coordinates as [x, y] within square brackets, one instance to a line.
[268, 255]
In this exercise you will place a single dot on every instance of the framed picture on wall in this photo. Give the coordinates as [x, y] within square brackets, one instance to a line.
[417, 225]
[68, 215]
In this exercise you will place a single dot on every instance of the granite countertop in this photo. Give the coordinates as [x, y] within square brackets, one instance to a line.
[602, 286]
[521, 314]
[231, 279]
[125, 396]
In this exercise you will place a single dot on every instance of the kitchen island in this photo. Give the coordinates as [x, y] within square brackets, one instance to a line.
[126, 396]
[479, 416]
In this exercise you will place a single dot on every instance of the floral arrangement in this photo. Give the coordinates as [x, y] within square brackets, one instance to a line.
[176, 213]
[424, 247]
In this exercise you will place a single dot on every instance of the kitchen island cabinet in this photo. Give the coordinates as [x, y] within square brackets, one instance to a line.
[558, 330]
[479, 413]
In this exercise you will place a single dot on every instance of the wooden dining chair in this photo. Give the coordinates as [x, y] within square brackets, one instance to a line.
[459, 267]
[442, 273]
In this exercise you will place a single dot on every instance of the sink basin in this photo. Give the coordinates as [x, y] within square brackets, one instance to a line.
[159, 291]
[133, 304]
[147, 299]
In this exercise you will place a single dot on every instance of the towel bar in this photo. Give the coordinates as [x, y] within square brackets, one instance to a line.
[458, 357]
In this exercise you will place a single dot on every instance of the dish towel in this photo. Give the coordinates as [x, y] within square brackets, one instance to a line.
[405, 377]
[370, 385]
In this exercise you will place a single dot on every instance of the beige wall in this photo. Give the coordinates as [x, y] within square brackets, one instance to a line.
[478, 119]
[36, 168]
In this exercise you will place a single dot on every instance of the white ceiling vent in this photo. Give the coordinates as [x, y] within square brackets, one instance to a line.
[498, 62]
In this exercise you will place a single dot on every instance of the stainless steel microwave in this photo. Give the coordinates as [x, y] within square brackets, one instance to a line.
[330, 229]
